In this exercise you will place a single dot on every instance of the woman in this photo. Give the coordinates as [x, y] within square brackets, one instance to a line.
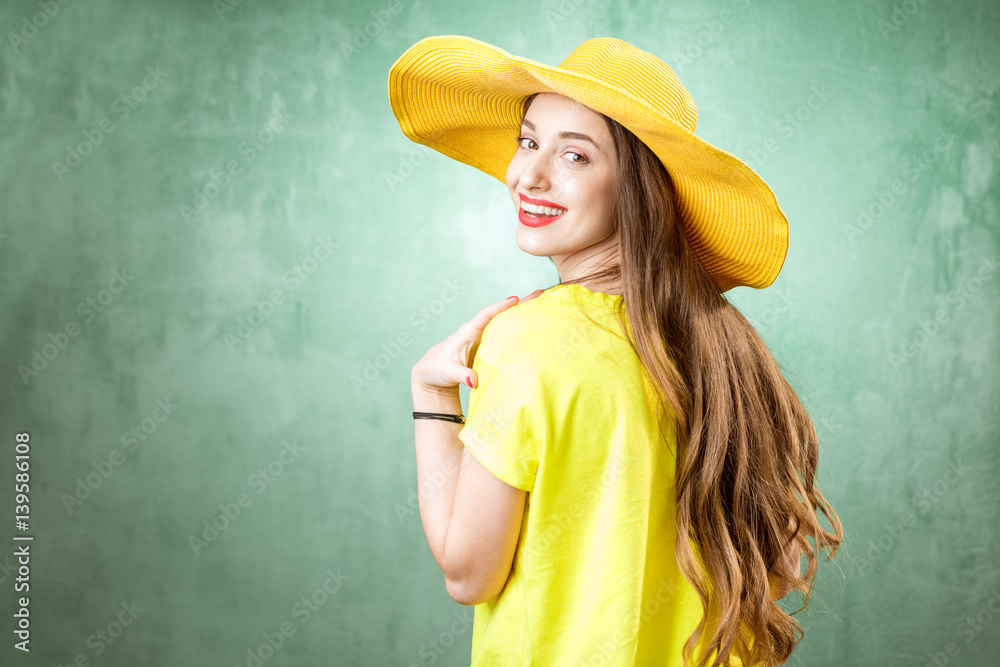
[634, 482]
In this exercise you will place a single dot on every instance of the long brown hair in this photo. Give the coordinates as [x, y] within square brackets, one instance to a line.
[747, 451]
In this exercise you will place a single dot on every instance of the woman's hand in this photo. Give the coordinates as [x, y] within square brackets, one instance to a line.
[446, 365]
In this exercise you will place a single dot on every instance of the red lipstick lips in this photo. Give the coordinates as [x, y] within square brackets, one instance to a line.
[536, 221]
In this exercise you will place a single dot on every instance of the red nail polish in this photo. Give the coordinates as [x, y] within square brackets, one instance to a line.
[511, 297]
[468, 381]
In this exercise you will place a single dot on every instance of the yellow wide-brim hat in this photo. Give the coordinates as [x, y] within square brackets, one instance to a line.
[463, 97]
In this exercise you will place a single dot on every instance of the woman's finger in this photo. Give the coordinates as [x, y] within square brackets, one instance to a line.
[447, 363]
[472, 331]
[478, 323]
[533, 295]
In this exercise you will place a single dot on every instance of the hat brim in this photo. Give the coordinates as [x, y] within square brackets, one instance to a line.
[463, 98]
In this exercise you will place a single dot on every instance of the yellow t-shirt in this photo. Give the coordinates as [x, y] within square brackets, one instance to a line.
[563, 411]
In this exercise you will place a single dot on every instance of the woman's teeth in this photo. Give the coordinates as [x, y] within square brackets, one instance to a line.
[541, 211]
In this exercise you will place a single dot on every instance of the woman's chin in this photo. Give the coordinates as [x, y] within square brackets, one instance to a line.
[532, 247]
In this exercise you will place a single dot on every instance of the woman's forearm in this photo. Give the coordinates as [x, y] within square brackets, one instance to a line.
[434, 381]
[439, 458]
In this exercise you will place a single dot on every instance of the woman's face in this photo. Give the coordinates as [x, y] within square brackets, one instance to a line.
[566, 160]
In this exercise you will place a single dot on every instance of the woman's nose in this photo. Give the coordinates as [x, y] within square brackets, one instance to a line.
[535, 172]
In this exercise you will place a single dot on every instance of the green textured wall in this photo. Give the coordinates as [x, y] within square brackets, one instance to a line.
[191, 355]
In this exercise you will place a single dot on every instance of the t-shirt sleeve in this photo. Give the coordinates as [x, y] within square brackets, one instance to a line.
[502, 425]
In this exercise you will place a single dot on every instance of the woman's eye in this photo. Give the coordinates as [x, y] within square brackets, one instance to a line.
[582, 160]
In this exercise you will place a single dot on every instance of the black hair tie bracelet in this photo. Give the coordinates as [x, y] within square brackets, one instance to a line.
[459, 419]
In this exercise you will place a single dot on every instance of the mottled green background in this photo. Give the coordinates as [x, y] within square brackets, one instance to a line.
[886, 324]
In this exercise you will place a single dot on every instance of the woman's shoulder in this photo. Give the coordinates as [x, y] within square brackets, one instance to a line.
[517, 322]
[533, 331]
[520, 332]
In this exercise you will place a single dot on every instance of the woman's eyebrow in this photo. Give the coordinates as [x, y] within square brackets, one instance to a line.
[566, 135]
